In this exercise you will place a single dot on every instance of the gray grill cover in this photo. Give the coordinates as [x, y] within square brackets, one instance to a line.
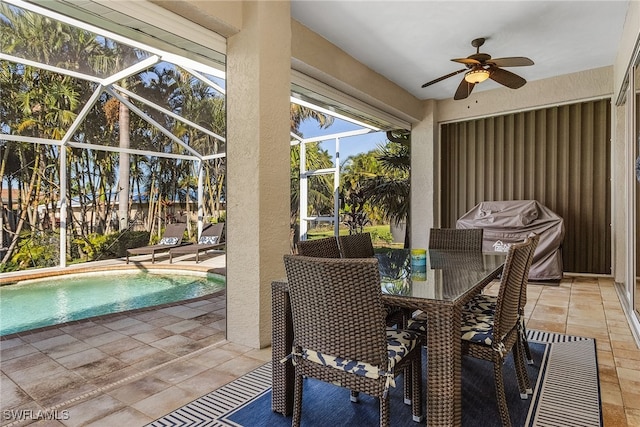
[508, 222]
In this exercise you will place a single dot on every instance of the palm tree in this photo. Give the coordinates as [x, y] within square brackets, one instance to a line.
[47, 105]
[391, 190]
[300, 113]
[356, 172]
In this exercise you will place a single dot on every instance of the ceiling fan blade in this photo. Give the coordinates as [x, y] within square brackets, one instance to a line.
[506, 78]
[514, 61]
[467, 61]
[439, 79]
[464, 89]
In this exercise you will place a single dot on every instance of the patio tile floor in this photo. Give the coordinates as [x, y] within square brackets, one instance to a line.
[135, 367]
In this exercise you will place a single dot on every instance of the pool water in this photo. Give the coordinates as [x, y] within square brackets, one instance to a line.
[26, 306]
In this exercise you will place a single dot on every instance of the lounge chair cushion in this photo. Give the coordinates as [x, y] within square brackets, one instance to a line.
[208, 240]
[168, 241]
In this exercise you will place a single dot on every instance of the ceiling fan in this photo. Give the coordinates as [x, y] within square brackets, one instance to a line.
[480, 67]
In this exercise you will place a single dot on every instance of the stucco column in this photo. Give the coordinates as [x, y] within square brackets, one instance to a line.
[424, 171]
[258, 167]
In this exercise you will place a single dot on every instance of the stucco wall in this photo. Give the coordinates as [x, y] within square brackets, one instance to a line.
[622, 167]
[627, 45]
[258, 167]
[220, 16]
[596, 83]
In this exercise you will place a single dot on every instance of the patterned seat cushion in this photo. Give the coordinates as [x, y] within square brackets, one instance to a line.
[399, 344]
[417, 324]
[477, 327]
[482, 303]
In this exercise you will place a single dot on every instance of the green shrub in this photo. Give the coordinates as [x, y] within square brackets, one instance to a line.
[132, 239]
[91, 246]
[113, 245]
[35, 250]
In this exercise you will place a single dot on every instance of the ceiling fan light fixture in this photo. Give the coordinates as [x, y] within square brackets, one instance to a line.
[477, 75]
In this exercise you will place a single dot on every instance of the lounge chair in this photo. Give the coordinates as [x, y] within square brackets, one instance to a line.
[171, 238]
[210, 238]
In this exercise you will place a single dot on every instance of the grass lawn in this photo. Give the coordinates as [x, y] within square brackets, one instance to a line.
[380, 234]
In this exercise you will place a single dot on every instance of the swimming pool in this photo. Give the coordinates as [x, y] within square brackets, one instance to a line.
[45, 302]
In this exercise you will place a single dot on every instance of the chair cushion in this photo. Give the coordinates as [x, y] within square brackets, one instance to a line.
[399, 344]
[418, 325]
[482, 304]
[168, 241]
[418, 322]
[477, 327]
[208, 240]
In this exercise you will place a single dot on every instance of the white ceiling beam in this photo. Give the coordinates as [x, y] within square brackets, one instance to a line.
[116, 149]
[345, 134]
[47, 67]
[132, 70]
[333, 113]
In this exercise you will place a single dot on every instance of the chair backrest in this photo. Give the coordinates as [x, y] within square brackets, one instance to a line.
[211, 231]
[356, 245]
[173, 233]
[323, 248]
[337, 308]
[535, 239]
[456, 239]
[512, 281]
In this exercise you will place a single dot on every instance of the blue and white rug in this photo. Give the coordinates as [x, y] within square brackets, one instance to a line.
[564, 375]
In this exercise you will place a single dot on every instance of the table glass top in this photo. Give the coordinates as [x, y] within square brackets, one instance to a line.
[446, 275]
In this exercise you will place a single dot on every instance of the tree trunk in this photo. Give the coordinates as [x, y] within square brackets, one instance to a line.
[123, 169]
[23, 213]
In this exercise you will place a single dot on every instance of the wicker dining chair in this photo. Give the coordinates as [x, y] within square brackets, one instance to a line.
[326, 247]
[492, 336]
[456, 239]
[356, 245]
[485, 303]
[452, 239]
[339, 318]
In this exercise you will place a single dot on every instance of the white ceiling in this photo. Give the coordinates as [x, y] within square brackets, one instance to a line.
[413, 42]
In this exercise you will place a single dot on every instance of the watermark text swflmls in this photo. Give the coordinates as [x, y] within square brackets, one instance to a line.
[33, 415]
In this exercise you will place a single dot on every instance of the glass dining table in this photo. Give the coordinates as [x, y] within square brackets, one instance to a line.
[440, 288]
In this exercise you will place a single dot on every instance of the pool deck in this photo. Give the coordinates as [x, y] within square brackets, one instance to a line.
[122, 369]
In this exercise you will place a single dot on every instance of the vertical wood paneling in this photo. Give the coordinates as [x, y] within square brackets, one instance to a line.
[558, 156]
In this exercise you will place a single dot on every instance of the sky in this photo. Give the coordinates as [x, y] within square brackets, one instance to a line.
[348, 146]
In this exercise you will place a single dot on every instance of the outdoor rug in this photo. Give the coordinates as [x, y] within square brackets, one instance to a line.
[564, 378]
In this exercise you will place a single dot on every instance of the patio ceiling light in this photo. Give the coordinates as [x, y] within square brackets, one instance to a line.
[477, 75]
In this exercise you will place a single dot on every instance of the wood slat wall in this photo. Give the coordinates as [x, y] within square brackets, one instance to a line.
[559, 156]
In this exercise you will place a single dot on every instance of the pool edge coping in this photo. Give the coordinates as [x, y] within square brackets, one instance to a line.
[110, 315]
[15, 277]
